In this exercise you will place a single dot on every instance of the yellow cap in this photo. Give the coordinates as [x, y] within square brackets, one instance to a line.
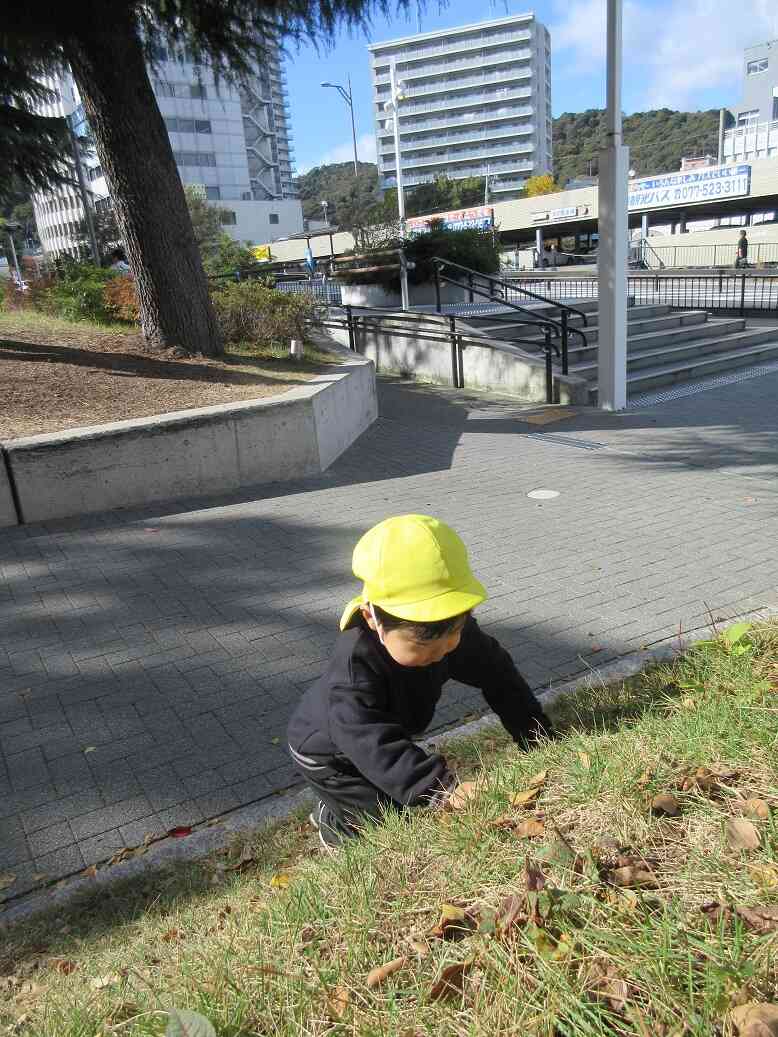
[414, 567]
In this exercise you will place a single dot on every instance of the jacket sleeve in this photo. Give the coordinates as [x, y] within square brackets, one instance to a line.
[482, 662]
[381, 750]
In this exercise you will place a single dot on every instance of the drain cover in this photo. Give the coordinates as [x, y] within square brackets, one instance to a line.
[543, 494]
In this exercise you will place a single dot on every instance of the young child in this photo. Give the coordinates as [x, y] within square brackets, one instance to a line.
[409, 631]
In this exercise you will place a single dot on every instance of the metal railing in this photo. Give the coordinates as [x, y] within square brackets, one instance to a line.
[745, 294]
[499, 289]
[674, 255]
[441, 329]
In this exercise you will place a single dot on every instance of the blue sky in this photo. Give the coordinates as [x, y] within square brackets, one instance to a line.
[684, 54]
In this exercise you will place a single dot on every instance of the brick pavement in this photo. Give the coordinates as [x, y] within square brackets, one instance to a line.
[149, 660]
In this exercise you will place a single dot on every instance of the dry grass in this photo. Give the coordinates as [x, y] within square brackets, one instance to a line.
[55, 375]
[284, 944]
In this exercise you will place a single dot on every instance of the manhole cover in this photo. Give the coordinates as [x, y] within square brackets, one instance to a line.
[543, 494]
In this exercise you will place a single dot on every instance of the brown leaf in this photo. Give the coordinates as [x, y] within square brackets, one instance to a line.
[525, 798]
[504, 821]
[180, 831]
[534, 877]
[449, 984]
[715, 912]
[530, 829]
[665, 805]
[454, 923]
[756, 808]
[633, 877]
[7, 880]
[761, 919]
[607, 985]
[338, 1002]
[742, 835]
[586, 761]
[172, 935]
[538, 779]
[463, 794]
[510, 912]
[755, 1020]
[377, 975]
[421, 947]
[90, 872]
[64, 966]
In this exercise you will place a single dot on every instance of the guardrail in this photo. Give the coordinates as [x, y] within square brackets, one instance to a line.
[746, 294]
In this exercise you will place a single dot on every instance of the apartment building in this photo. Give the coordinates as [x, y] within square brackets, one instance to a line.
[233, 142]
[750, 130]
[476, 101]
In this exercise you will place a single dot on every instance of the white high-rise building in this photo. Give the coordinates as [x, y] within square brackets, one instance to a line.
[476, 102]
[233, 142]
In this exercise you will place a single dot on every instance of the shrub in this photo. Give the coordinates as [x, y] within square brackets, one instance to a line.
[250, 311]
[121, 298]
[75, 292]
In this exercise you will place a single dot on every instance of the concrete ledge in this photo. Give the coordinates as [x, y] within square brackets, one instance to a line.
[8, 516]
[188, 453]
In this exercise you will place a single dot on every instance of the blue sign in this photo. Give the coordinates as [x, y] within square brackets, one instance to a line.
[697, 185]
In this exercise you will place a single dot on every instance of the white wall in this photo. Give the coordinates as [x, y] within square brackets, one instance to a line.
[253, 220]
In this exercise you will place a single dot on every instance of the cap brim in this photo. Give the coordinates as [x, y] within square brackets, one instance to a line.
[445, 606]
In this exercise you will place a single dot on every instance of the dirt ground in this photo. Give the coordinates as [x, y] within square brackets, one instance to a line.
[56, 375]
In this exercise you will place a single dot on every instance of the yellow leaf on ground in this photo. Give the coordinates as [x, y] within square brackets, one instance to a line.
[463, 794]
[530, 829]
[757, 808]
[764, 874]
[538, 779]
[755, 1020]
[633, 877]
[525, 798]
[742, 835]
[280, 880]
[665, 805]
[338, 1002]
[377, 975]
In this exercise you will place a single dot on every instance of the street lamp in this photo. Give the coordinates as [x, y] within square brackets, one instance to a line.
[325, 206]
[9, 227]
[397, 90]
[348, 98]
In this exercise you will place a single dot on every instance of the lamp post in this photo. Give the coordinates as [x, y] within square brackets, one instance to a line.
[347, 96]
[325, 206]
[9, 228]
[392, 106]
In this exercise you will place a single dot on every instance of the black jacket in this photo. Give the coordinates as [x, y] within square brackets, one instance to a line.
[366, 708]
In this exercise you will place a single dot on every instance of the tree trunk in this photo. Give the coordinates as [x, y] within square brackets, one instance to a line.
[134, 150]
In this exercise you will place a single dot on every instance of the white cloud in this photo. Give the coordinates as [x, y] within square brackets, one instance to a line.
[366, 152]
[672, 51]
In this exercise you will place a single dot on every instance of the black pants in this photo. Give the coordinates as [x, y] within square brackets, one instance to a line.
[348, 798]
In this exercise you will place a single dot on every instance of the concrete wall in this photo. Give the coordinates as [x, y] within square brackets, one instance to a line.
[187, 453]
[8, 516]
[252, 219]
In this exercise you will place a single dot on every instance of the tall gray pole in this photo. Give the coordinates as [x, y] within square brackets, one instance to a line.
[13, 256]
[400, 192]
[86, 201]
[613, 229]
[353, 126]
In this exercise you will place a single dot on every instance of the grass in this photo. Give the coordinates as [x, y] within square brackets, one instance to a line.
[283, 943]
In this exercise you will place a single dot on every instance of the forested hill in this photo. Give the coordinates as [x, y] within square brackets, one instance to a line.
[657, 140]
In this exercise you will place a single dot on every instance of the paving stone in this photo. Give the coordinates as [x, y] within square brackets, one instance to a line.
[98, 821]
[46, 840]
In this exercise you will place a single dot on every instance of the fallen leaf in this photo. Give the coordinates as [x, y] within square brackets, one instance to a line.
[538, 779]
[172, 935]
[449, 984]
[742, 835]
[463, 794]
[756, 808]
[182, 1023]
[90, 872]
[534, 877]
[688, 702]
[529, 829]
[633, 877]
[511, 911]
[377, 975]
[64, 966]
[761, 919]
[90, 749]
[180, 832]
[504, 821]
[607, 985]
[101, 982]
[665, 805]
[7, 880]
[454, 923]
[586, 761]
[755, 1020]
[280, 880]
[764, 874]
[338, 1002]
[595, 649]
[525, 798]
[421, 947]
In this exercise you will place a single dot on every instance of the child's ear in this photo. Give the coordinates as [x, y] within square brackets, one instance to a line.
[367, 617]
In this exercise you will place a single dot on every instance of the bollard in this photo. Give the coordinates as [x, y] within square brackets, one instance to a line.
[296, 349]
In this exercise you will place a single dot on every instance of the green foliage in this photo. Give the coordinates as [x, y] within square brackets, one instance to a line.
[250, 311]
[348, 197]
[443, 194]
[76, 292]
[476, 249]
[543, 184]
[658, 140]
[121, 299]
[228, 256]
[221, 254]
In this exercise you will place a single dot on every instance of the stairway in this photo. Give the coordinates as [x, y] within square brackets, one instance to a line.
[664, 346]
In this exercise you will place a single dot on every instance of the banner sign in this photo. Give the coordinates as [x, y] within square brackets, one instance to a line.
[261, 252]
[570, 212]
[479, 218]
[697, 185]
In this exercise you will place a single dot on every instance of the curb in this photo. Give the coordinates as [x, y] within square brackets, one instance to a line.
[248, 819]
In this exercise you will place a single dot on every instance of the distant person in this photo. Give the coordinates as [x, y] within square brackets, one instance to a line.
[742, 250]
[119, 261]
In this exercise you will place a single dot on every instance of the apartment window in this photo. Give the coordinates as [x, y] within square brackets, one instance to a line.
[213, 194]
[164, 89]
[273, 217]
[228, 217]
[194, 158]
[202, 125]
[750, 118]
[198, 91]
[246, 196]
[775, 108]
[753, 68]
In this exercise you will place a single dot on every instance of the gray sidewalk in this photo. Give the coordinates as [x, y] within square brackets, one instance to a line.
[149, 661]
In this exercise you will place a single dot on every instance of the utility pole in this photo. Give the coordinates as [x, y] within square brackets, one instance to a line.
[395, 102]
[86, 201]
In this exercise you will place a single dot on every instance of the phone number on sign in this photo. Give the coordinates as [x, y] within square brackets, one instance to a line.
[698, 192]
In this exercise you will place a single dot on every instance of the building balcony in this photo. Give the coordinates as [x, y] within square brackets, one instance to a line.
[476, 41]
[484, 154]
[498, 96]
[749, 140]
[447, 86]
[475, 62]
[495, 169]
[446, 122]
[444, 140]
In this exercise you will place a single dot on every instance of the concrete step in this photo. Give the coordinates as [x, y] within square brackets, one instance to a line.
[663, 337]
[645, 379]
[684, 350]
[640, 321]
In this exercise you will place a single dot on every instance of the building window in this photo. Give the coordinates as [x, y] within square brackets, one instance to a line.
[164, 89]
[202, 125]
[228, 217]
[194, 158]
[750, 118]
[198, 91]
[246, 196]
[775, 108]
[755, 67]
[273, 217]
[213, 194]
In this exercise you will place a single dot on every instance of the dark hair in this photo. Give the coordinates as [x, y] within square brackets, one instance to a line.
[420, 631]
